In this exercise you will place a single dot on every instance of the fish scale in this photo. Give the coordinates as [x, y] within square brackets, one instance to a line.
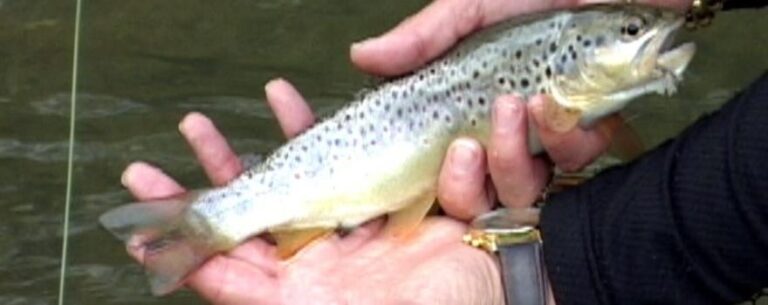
[381, 154]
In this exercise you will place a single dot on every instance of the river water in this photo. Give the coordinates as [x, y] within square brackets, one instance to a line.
[144, 64]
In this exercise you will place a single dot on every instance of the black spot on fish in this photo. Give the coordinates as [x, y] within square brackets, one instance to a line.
[519, 54]
[524, 83]
[347, 117]
[586, 43]
[573, 55]
[538, 42]
[564, 58]
[475, 74]
[387, 107]
[447, 118]
[473, 122]
[501, 81]
[481, 101]
[548, 72]
[552, 47]
[399, 112]
[536, 63]
[538, 79]
[600, 40]
[578, 37]
[512, 83]
[432, 71]
[435, 115]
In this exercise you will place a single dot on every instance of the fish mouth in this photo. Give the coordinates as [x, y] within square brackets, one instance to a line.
[671, 60]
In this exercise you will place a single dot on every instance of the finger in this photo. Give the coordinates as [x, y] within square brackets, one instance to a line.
[518, 177]
[360, 236]
[461, 184]
[258, 253]
[147, 182]
[573, 149]
[434, 29]
[224, 280]
[211, 148]
[292, 112]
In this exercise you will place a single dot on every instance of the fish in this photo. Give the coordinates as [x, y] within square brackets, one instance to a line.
[381, 154]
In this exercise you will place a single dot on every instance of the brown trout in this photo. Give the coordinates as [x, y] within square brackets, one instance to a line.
[381, 154]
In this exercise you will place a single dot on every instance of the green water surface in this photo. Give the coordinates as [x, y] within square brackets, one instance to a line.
[144, 64]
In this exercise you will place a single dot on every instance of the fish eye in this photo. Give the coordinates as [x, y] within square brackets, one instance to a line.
[633, 27]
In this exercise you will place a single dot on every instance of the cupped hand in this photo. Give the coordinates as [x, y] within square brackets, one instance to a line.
[432, 266]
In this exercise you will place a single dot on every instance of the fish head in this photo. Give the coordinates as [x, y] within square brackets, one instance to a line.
[616, 53]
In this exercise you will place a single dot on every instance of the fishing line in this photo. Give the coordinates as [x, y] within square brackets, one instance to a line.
[70, 155]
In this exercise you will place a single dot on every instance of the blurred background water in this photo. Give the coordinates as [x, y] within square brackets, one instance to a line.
[144, 64]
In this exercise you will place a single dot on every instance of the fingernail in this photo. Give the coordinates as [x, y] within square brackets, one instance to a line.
[272, 83]
[506, 114]
[126, 177]
[366, 43]
[464, 157]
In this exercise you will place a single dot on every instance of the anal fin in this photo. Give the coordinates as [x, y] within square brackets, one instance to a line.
[290, 242]
[626, 143]
[404, 221]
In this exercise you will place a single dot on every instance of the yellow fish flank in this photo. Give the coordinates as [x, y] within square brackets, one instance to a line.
[381, 154]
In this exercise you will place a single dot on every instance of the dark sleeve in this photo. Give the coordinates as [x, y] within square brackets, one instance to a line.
[737, 4]
[687, 223]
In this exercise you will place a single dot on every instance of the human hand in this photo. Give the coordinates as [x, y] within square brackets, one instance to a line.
[432, 266]
[517, 177]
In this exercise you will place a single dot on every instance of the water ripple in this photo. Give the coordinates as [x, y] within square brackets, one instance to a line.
[89, 105]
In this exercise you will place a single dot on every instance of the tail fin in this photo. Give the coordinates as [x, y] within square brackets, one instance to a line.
[159, 234]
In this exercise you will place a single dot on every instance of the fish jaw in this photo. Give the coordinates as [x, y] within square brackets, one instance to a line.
[616, 75]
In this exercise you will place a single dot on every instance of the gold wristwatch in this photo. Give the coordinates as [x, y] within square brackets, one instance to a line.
[512, 235]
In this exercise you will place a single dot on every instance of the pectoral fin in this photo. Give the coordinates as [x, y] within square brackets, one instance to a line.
[402, 222]
[626, 143]
[290, 242]
[560, 118]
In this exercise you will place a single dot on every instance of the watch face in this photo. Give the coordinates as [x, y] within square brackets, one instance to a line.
[508, 220]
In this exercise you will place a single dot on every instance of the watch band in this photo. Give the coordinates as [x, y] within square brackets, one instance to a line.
[523, 274]
[512, 235]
